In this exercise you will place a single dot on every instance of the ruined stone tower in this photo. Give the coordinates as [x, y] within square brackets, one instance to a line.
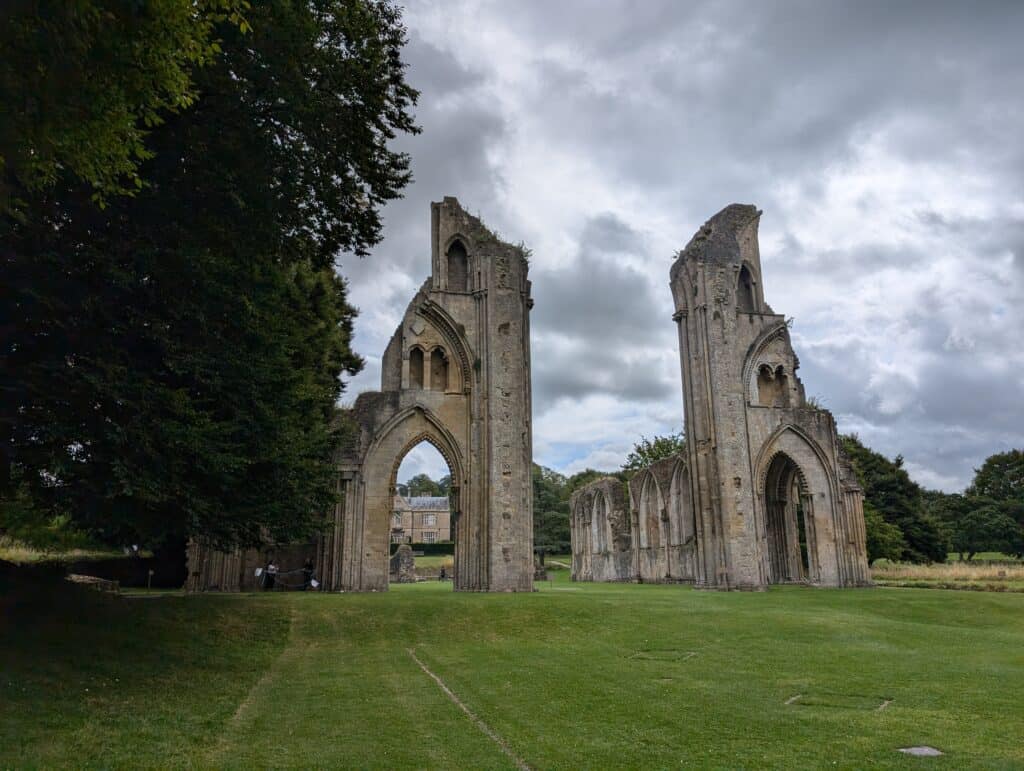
[456, 374]
[763, 493]
[768, 485]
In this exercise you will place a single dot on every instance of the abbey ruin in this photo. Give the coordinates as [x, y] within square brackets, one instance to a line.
[456, 374]
[762, 494]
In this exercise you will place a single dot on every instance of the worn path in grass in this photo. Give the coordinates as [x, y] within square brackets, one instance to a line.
[574, 675]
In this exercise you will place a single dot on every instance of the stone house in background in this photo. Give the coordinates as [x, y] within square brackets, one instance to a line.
[763, 494]
[421, 519]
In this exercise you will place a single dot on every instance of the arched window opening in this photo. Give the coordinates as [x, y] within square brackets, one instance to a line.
[422, 508]
[765, 386]
[599, 524]
[458, 267]
[682, 513]
[772, 386]
[650, 516]
[438, 370]
[746, 298]
[787, 529]
[782, 387]
[416, 368]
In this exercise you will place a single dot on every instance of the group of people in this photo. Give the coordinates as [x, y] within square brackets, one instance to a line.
[268, 576]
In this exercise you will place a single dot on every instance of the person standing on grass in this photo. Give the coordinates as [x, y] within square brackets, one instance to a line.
[271, 575]
[307, 575]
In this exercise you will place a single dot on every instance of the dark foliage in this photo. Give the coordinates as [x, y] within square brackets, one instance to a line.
[898, 501]
[550, 511]
[170, 363]
[989, 516]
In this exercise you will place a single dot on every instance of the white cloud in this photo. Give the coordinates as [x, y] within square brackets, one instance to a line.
[884, 152]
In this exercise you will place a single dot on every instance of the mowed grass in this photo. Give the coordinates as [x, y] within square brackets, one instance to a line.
[572, 676]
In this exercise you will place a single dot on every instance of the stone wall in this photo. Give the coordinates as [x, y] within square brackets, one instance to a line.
[763, 494]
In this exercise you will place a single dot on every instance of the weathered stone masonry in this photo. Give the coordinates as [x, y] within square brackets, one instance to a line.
[763, 494]
[456, 374]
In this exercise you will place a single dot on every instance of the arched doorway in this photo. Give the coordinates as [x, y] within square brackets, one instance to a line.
[789, 523]
[421, 516]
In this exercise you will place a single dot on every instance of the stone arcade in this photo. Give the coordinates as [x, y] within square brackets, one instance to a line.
[763, 494]
[456, 374]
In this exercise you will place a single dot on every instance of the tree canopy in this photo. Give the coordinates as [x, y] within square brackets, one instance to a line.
[550, 511]
[989, 515]
[422, 485]
[648, 451]
[897, 500]
[171, 361]
[84, 82]
[1000, 478]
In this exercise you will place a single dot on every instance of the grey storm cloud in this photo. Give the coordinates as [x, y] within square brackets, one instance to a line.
[881, 140]
[637, 377]
[601, 297]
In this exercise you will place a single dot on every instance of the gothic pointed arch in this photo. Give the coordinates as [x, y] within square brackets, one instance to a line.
[435, 432]
[799, 508]
[457, 265]
[454, 336]
[763, 340]
[746, 289]
[777, 442]
[679, 505]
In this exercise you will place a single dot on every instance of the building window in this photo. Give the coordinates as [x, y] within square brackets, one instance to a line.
[438, 370]
[429, 537]
[429, 520]
[458, 267]
[746, 297]
[416, 368]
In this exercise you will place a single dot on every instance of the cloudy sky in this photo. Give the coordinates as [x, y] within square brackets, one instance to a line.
[884, 142]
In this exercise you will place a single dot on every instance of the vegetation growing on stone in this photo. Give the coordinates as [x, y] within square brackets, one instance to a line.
[648, 451]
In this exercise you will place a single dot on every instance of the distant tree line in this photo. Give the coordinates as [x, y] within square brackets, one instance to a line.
[422, 485]
[908, 523]
[989, 514]
[904, 522]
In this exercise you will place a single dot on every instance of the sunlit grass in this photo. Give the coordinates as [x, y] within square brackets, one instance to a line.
[19, 553]
[987, 576]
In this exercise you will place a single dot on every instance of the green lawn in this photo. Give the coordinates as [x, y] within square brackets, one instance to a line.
[572, 676]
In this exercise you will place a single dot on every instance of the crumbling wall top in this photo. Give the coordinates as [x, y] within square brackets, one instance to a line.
[719, 239]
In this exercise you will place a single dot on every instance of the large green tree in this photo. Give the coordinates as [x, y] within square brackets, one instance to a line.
[995, 501]
[890, 491]
[81, 84]
[1000, 478]
[884, 539]
[171, 362]
[423, 485]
